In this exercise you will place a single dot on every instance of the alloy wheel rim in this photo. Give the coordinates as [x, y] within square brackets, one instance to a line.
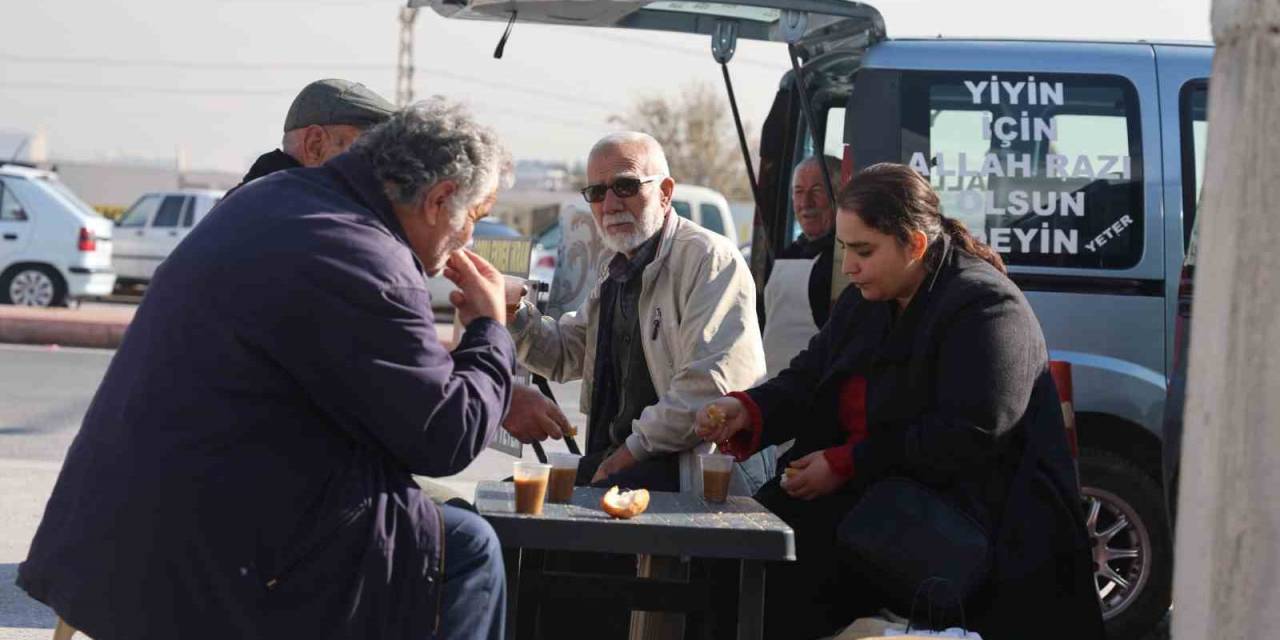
[1121, 547]
[32, 289]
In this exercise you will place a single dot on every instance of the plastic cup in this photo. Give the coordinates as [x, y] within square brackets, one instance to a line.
[717, 470]
[531, 486]
[514, 289]
[564, 473]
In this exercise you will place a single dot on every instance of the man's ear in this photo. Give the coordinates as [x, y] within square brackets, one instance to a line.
[314, 139]
[435, 206]
[667, 188]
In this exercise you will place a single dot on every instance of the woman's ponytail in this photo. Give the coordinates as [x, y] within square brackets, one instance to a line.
[961, 237]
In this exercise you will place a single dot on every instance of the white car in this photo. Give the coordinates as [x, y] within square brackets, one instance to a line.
[153, 227]
[54, 248]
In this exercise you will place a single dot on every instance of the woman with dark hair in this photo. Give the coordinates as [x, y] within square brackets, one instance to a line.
[931, 368]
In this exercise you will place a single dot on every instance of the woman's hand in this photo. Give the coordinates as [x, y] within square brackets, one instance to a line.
[811, 477]
[720, 419]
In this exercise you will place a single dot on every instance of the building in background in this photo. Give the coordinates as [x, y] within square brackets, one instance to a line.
[111, 184]
[117, 184]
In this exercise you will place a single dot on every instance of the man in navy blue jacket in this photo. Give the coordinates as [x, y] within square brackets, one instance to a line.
[244, 470]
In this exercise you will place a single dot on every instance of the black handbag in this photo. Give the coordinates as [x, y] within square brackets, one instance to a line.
[903, 535]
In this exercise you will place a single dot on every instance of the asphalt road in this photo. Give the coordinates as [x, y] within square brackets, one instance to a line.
[44, 393]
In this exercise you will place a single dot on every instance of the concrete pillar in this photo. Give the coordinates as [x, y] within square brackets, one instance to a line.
[1227, 568]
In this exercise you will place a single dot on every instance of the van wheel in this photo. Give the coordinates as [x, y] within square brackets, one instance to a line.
[1132, 550]
[33, 286]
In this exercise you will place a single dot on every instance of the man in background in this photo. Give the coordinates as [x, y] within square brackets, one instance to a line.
[323, 121]
[798, 289]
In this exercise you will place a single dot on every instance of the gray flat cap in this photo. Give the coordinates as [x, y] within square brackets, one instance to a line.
[334, 101]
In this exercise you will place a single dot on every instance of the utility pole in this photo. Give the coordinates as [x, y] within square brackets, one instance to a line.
[404, 64]
[1227, 568]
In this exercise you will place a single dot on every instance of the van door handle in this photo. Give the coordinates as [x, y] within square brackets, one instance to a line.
[10, 236]
[138, 233]
[173, 234]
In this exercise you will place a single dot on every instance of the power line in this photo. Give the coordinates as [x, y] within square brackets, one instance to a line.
[194, 64]
[114, 88]
[576, 100]
[109, 88]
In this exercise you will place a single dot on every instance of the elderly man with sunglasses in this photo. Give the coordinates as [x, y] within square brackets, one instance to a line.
[671, 325]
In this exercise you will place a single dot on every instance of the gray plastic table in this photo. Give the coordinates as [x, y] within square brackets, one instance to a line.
[674, 525]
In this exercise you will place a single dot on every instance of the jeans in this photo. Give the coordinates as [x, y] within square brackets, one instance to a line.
[474, 604]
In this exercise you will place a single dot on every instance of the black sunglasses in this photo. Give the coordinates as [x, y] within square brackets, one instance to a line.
[623, 187]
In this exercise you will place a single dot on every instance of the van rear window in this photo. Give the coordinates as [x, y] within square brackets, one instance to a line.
[1046, 168]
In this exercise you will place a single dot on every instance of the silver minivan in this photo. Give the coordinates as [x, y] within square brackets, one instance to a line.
[1080, 162]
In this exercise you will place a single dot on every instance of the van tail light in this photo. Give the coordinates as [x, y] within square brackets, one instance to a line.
[1183, 317]
[1186, 285]
[1061, 372]
[88, 242]
[548, 261]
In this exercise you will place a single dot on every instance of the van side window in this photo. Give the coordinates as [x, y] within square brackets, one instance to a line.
[1194, 118]
[140, 212]
[710, 215]
[170, 211]
[682, 209]
[10, 209]
[196, 209]
[1046, 168]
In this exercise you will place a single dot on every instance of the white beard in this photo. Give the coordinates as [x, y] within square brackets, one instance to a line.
[645, 229]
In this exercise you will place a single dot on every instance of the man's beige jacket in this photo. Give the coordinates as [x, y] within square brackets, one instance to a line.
[698, 327]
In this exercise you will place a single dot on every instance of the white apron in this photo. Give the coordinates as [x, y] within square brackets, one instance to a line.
[788, 315]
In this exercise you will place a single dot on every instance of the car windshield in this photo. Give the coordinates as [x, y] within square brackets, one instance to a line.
[62, 192]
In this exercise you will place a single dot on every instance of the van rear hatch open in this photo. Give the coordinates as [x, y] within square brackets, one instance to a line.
[814, 25]
[815, 31]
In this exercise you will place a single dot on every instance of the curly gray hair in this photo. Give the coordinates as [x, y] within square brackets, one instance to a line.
[434, 140]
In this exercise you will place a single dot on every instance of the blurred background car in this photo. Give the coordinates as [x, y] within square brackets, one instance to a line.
[54, 248]
[150, 229]
[706, 207]
[542, 258]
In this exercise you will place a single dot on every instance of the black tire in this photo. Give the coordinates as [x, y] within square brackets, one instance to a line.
[1120, 488]
[59, 286]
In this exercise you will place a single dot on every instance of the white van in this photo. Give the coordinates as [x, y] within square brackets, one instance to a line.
[153, 226]
[54, 248]
[706, 207]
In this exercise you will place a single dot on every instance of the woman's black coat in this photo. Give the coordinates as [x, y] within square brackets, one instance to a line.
[959, 397]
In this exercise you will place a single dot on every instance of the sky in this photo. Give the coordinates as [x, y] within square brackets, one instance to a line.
[211, 80]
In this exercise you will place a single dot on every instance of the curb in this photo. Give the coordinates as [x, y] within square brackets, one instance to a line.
[63, 327]
[95, 329]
